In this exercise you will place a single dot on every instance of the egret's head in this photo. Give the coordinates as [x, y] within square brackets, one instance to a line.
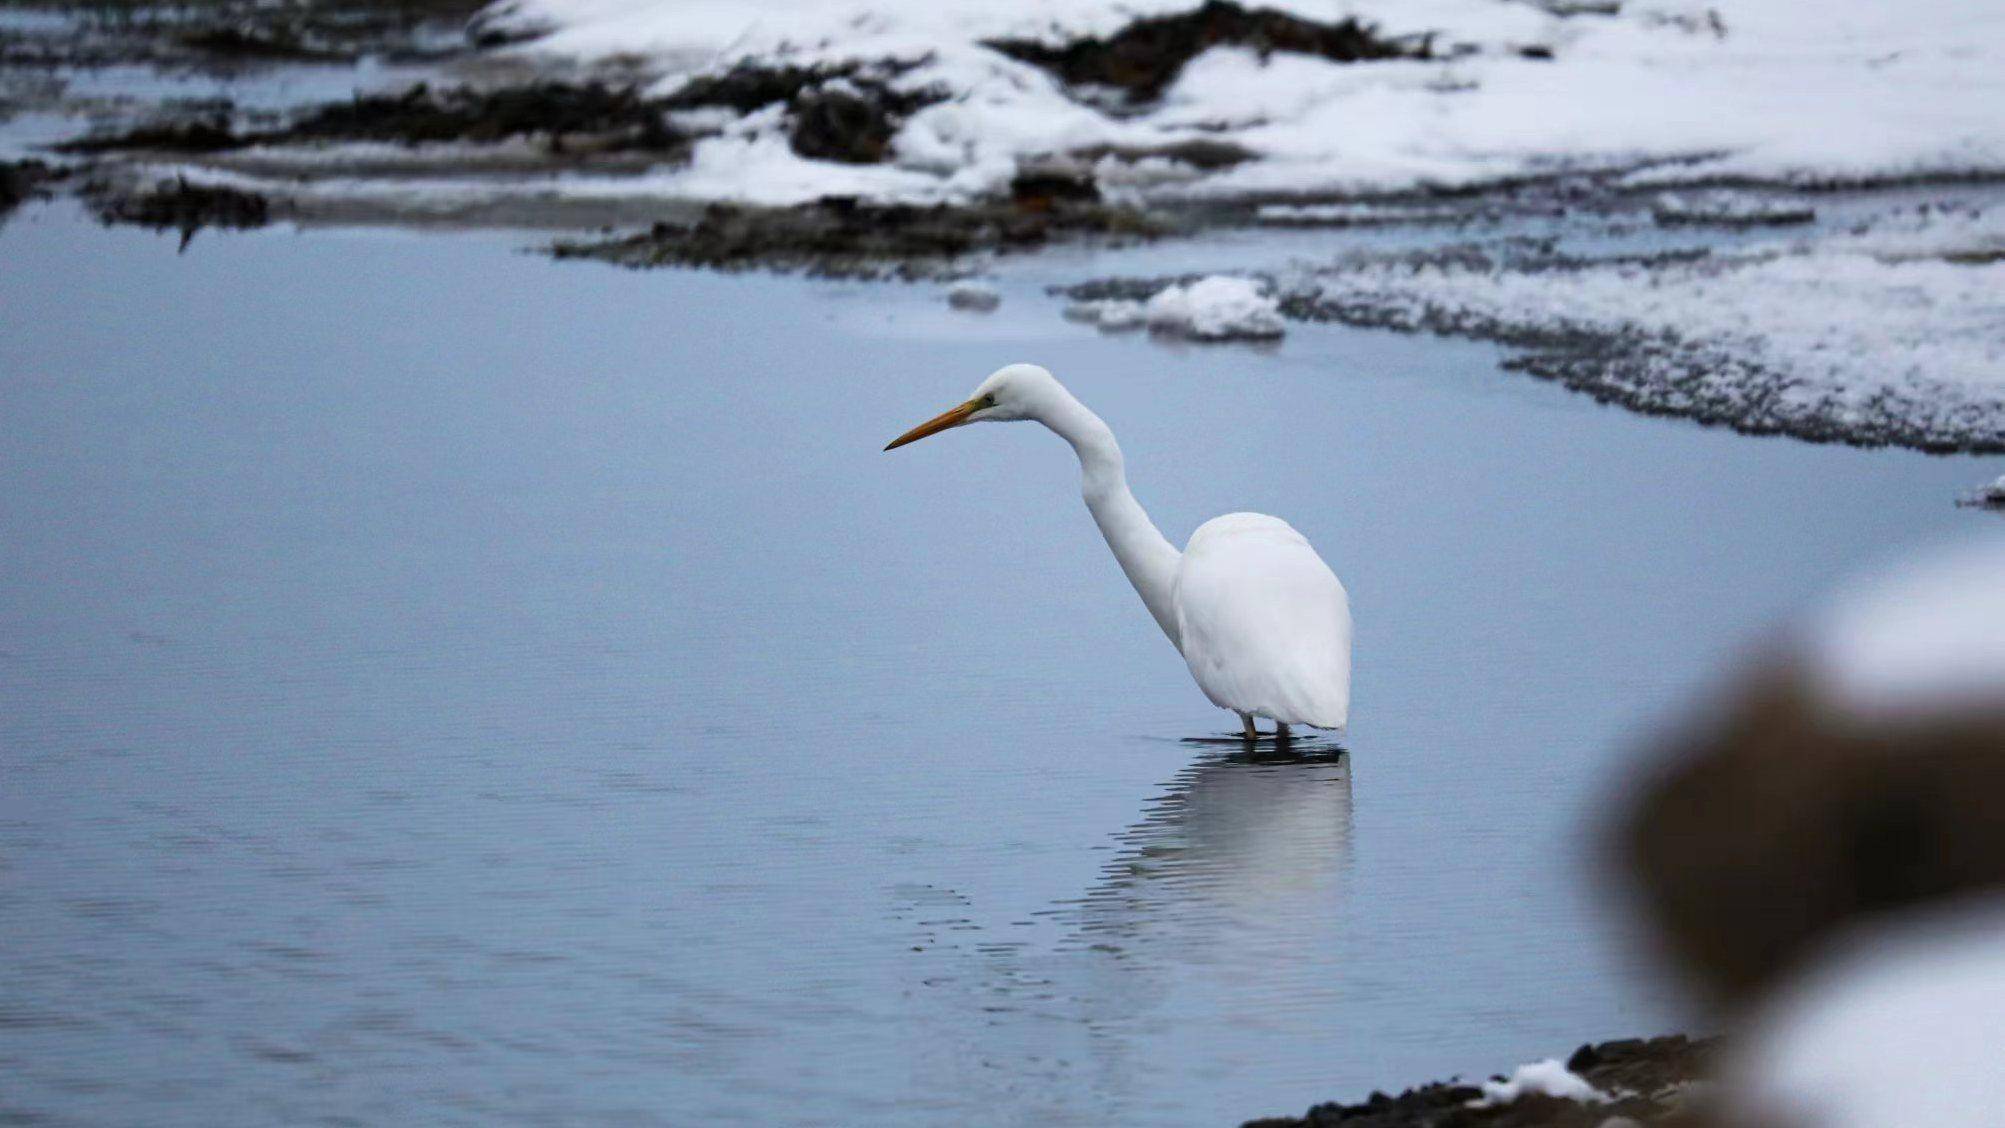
[1020, 391]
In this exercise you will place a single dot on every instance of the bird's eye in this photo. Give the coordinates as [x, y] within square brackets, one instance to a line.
[989, 400]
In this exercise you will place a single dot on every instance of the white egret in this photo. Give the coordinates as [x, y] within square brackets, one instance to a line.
[1262, 622]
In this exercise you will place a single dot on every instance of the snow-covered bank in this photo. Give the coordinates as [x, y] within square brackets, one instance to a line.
[1506, 88]
[1217, 308]
[1894, 334]
[1588, 145]
[1884, 329]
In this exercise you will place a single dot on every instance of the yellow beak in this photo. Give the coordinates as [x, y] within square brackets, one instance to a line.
[952, 417]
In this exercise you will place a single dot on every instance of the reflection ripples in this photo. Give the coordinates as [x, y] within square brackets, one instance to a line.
[1217, 909]
[1238, 846]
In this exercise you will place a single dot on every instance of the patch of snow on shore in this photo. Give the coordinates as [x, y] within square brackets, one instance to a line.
[1110, 314]
[1739, 88]
[1550, 1077]
[1218, 308]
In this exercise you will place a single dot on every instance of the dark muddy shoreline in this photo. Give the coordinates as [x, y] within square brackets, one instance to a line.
[845, 238]
[21, 181]
[1646, 1080]
[229, 35]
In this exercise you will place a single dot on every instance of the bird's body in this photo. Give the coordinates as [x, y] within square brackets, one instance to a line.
[1262, 622]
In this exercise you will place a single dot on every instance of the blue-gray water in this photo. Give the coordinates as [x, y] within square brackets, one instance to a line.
[438, 685]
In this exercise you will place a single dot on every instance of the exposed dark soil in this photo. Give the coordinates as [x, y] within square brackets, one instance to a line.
[840, 114]
[1143, 58]
[1647, 1079]
[1729, 218]
[838, 125]
[209, 135]
[844, 113]
[593, 116]
[21, 181]
[176, 205]
[233, 34]
[258, 45]
[748, 87]
[1046, 189]
[1203, 153]
[844, 238]
[617, 117]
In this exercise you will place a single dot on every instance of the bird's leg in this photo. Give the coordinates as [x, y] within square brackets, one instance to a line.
[1280, 733]
[1246, 728]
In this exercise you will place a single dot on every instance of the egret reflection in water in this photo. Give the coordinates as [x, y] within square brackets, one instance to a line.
[1225, 890]
[1242, 853]
[1241, 856]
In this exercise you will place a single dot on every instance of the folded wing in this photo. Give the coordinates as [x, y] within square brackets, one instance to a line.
[1264, 625]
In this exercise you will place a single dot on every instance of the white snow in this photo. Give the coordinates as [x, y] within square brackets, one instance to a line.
[1901, 323]
[1924, 637]
[1351, 215]
[751, 163]
[1728, 208]
[1757, 88]
[1899, 1025]
[1550, 1077]
[1895, 333]
[1990, 496]
[1112, 314]
[1217, 308]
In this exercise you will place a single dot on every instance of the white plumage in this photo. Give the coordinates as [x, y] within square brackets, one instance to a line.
[1262, 622]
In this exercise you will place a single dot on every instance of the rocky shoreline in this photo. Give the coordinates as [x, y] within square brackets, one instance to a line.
[1635, 1081]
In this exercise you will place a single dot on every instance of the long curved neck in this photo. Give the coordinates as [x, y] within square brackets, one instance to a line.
[1148, 559]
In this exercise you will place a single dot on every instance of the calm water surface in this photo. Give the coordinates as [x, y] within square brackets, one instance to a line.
[440, 685]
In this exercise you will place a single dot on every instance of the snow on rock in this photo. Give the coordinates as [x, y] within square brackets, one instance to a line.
[1901, 1024]
[1550, 1077]
[1851, 90]
[1987, 497]
[1922, 638]
[1217, 308]
[1729, 209]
